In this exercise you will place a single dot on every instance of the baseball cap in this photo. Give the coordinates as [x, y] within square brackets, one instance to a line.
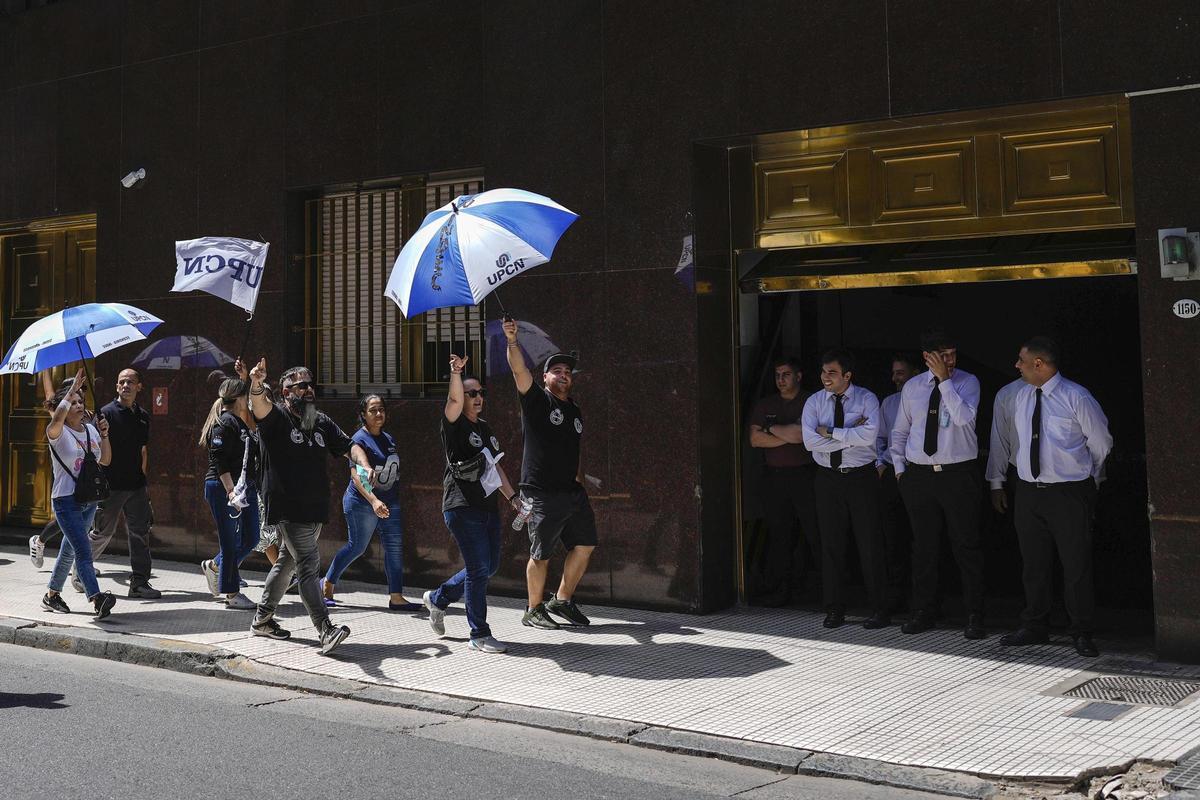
[570, 359]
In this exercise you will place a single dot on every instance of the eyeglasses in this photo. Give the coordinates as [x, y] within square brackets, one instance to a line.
[301, 385]
[476, 393]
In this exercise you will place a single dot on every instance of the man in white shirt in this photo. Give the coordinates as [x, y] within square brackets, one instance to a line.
[934, 450]
[840, 426]
[1062, 440]
[1002, 450]
[897, 534]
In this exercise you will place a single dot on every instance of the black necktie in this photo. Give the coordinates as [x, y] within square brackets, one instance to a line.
[839, 421]
[1035, 441]
[931, 421]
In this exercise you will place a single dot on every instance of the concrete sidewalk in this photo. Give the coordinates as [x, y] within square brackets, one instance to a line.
[763, 676]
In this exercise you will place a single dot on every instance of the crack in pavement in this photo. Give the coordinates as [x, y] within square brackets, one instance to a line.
[780, 779]
[273, 702]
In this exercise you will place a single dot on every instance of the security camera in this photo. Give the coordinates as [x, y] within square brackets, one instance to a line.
[131, 180]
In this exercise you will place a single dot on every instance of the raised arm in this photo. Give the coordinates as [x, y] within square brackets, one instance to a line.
[454, 398]
[260, 407]
[516, 359]
[59, 415]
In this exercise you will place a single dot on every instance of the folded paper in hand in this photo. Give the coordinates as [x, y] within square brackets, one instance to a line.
[490, 479]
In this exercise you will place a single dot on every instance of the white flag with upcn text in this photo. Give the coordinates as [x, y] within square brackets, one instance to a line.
[232, 269]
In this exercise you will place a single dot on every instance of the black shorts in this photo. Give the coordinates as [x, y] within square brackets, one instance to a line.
[559, 516]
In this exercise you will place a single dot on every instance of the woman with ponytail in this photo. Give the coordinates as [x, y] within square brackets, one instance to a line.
[231, 487]
[368, 506]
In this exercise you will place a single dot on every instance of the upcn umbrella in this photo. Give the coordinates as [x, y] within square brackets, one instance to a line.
[470, 246]
[178, 352]
[76, 333]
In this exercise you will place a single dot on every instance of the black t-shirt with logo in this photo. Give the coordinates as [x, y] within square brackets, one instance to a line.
[553, 429]
[128, 433]
[463, 440]
[295, 484]
[227, 450]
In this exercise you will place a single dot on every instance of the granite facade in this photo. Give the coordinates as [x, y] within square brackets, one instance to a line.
[237, 109]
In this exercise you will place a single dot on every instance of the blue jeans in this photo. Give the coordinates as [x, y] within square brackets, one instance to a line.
[75, 520]
[478, 535]
[361, 523]
[238, 537]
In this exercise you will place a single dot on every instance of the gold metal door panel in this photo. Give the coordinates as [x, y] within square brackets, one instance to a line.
[924, 182]
[808, 191]
[29, 487]
[1061, 170]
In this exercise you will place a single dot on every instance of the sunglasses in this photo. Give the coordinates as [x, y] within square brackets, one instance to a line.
[476, 392]
[301, 385]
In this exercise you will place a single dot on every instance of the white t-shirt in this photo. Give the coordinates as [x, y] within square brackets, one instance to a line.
[69, 447]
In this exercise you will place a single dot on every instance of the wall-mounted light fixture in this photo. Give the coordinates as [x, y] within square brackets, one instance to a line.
[1179, 253]
[134, 178]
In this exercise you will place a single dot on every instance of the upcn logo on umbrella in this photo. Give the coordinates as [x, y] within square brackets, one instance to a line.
[470, 246]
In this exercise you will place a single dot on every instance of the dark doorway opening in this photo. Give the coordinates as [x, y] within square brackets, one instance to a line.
[1095, 320]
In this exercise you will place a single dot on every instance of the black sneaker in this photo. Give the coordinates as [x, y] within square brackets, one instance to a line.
[537, 617]
[332, 636]
[104, 603]
[144, 591]
[270, 629]
[567, 610]
[54, 602]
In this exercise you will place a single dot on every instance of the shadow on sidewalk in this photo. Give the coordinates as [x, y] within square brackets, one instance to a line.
[40, 700]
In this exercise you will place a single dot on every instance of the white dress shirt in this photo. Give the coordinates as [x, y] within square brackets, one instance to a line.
[856, 440]
[1002, 450]
[956, 440]
[1075, 438]
[887, 420]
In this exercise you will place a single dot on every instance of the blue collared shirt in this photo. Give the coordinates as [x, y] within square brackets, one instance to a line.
[956, 440]
[887, 420]
[1074, 441]
[1002, 448]
[856, 439]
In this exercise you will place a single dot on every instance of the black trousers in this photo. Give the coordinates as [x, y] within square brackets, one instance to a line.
[1058, 515]
[848, 505]
[948, 499]
[789, 497]
[897, 536]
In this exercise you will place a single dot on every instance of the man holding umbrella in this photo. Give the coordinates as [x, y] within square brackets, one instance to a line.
[552, 481]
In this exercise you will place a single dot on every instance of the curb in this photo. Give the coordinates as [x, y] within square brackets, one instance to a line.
[198, 659]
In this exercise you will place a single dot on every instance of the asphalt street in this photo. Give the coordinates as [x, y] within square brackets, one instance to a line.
[90, 728]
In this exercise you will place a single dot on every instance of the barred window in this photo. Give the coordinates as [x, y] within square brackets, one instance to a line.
[357, 339]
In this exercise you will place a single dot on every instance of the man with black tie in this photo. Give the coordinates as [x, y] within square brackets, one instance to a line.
[1062, 440]
[840, 426]
[934, 448]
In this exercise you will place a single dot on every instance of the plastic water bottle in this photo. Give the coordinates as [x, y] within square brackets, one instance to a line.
[523, 515]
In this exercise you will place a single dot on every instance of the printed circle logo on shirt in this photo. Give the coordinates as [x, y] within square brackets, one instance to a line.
[475, 439]
[556, 417]
[218, 441]
[495, 444]
[319, 439]
[296, 436]
[578, 425]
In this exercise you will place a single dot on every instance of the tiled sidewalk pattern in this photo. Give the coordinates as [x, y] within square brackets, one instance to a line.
[935, 700]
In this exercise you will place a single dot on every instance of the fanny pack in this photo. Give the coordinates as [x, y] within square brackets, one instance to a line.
[91, 485]
[470, 470]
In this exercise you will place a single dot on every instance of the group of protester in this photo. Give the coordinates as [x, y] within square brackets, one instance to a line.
[901, 472]
[267, 488]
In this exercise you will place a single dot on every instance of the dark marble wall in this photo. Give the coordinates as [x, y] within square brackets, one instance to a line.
[238, 107]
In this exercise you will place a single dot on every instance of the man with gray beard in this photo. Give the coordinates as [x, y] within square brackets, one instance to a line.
[294, 438]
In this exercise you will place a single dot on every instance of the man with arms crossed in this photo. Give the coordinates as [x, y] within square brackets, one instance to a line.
[551, 479]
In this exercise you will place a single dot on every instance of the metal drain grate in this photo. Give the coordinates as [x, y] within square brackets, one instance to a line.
[1133, 689]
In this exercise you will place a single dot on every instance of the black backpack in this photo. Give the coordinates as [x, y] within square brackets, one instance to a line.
[91, 485]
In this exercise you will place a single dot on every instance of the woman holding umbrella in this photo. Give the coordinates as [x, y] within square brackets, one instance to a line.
[231, 487]
[73, 443]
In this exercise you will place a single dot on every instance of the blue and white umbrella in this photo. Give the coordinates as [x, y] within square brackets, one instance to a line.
[75, 333]
[177, 352]
[472, 245]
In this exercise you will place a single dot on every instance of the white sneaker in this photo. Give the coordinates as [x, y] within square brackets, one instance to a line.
[487, 644]
[214, 580]
[37, 550]
[437, 617]
[240, 602]
[77, 584]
